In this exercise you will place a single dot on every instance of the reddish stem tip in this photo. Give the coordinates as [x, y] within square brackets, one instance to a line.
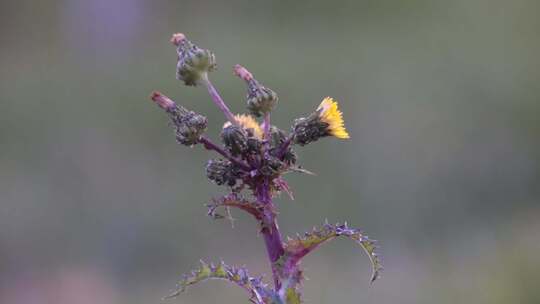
[162, 101]
[242, 72]
[177, 38]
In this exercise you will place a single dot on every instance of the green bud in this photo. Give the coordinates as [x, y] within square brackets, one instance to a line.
[193, 62]
[189, 126]
[260, 99]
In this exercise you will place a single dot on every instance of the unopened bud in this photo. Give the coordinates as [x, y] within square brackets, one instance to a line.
[235, 139]
[193, 62]
[260, 99]
[221, 172]
[189, 126]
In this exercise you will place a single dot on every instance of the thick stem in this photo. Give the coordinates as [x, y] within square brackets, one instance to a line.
[208, 144]
[216, 98]
[270, 231]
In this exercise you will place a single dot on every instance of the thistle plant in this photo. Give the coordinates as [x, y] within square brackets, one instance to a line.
[252, 158]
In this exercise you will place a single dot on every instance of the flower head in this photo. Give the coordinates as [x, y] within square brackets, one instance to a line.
[327, 120]
[329, 113]
[249, 124]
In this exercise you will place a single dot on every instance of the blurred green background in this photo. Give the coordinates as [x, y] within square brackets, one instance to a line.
[98, 204]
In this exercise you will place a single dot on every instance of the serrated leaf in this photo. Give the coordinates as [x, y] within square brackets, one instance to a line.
[234, 201]
[302, 245]
[258, 291]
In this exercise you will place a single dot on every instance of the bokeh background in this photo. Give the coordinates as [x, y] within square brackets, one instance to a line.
[98, 204]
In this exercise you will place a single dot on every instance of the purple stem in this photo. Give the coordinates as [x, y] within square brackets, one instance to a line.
[270, 231]
[208, 144]
[216, 98]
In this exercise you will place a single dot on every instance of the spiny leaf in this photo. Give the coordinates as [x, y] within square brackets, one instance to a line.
[302, 245]
[235, 201]
[258, 291]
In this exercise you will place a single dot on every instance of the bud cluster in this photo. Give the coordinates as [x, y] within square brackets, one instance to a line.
[247, 143]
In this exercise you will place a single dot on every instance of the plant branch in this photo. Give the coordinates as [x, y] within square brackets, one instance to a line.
[209, 145]
[218, 101]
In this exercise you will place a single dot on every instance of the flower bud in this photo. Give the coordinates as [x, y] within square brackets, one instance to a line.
[260, 99]
[189, 126]
[221, 172]
[234, 138]
[193, 62]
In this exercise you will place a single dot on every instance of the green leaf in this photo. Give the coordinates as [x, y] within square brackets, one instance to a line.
[302, 245]
[235, 201]
[258, 291]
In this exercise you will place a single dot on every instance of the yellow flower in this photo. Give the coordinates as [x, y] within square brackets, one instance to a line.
[330, 114]
[248, 122]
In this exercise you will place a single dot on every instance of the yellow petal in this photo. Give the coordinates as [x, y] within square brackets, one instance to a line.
[248, 122]
[330, 114]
